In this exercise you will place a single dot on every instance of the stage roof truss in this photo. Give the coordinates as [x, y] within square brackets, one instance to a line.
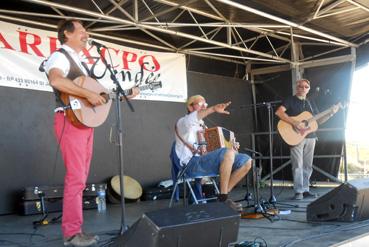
[241, 33]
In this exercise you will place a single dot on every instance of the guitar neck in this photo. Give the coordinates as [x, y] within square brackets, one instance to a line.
[112, 95]
[151, 86]
[323, 114]
[128, 91]
[142, 88]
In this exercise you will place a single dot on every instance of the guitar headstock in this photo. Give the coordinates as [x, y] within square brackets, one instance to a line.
[342, 105]
[338, 106]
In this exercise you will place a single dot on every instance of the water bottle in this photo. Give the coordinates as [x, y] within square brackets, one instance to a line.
[100, 199]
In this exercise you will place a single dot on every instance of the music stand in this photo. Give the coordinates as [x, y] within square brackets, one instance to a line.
[119, 92]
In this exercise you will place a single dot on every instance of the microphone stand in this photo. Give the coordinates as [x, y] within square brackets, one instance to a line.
[272, 199]
[259, 204]
[255, 179]
[119, 91]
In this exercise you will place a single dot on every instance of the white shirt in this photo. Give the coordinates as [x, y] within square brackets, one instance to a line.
[188, 127]
[59, 61]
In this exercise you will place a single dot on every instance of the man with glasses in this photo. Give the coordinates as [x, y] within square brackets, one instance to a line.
[228, 163]
[302, 154]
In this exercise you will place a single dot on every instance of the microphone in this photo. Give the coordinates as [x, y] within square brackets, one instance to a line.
[92, 42]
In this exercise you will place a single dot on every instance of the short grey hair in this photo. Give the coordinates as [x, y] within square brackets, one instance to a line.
[301, 80]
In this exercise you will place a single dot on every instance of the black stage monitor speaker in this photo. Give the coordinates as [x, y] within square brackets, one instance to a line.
[347, 202]
[212, 224]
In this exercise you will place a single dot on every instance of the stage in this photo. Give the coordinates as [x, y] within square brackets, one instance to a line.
[283, 230]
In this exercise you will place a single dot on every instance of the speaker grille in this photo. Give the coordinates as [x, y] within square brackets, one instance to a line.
[212, 224]
[347, 202]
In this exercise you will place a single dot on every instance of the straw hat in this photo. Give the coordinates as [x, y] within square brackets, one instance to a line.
[194, 99]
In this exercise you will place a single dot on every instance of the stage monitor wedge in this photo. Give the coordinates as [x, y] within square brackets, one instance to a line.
[211, 224]
[348, 202]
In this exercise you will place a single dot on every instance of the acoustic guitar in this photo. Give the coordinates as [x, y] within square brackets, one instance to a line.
[293, 136]
[81, 113]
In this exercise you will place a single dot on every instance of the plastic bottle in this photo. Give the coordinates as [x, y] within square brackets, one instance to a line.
[101, 199]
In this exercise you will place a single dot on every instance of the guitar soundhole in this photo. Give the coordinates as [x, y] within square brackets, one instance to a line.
[306, 123]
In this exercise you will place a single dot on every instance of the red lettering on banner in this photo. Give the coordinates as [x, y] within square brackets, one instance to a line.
[53, 44]
[24, 45]
[41, 45]
[6, 44]
[126, 61]
[87, 53]
[156, 66]
[103, 52]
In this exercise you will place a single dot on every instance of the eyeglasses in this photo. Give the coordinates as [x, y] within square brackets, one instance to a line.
[306, 87]
[201, 104]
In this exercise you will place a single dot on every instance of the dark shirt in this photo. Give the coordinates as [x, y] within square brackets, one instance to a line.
[294, 106]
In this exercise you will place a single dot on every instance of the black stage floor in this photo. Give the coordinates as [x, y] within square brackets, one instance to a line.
[285, 230]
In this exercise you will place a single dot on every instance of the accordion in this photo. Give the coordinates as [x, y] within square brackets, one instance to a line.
[217, 137]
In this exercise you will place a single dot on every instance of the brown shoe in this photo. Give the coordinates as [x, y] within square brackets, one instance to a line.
[81, 240]
[234, 205]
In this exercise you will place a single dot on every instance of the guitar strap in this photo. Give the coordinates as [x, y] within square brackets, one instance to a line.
[88, 70]
[311, 108]
[314, 110]
[74, 72]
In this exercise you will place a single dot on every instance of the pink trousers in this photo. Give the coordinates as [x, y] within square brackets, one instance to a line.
[76, 147]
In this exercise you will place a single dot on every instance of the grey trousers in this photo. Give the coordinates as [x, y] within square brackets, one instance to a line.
[302, 164]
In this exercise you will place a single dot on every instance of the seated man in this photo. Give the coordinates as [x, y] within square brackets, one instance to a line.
[228, 163]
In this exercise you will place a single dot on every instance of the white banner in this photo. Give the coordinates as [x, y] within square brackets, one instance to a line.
[23, 49]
